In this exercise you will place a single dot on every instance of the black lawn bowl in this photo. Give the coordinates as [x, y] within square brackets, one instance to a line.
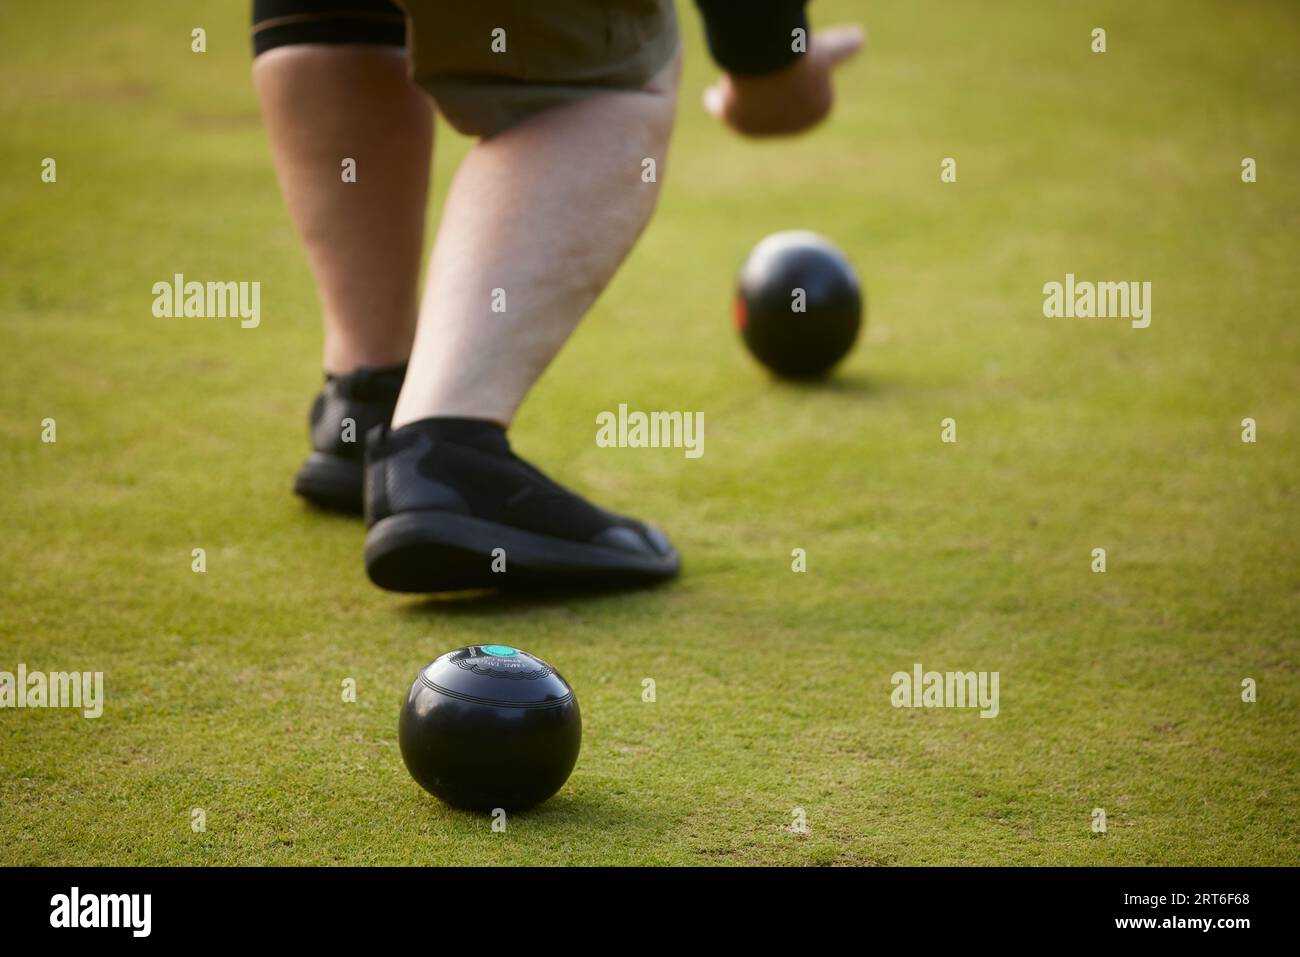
[490, 727]
[799, 304]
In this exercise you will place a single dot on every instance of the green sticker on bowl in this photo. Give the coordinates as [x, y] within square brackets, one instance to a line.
[498, 651]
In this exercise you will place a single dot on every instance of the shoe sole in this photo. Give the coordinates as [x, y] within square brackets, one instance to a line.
[431, 551]
[331, 482]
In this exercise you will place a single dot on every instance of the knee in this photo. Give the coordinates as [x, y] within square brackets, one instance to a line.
[662, 90]
[658, 100]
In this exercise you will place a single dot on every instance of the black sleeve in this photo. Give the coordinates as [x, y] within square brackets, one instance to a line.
[752, 36]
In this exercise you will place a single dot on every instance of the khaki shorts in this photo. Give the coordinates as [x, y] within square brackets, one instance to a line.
[491, 63]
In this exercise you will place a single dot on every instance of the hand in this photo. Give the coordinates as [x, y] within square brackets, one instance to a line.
[791, 100]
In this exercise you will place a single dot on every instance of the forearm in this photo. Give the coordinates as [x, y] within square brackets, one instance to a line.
[753, 37]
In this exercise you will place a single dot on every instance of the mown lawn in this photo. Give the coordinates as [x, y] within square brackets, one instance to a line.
[1119, 690]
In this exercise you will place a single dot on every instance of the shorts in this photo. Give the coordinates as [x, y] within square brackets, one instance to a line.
[492, 63]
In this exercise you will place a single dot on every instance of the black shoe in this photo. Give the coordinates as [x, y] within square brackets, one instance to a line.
[333, 476]
[450, 507]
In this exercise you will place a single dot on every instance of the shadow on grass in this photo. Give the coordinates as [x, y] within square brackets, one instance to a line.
[606, 813]
[487, 602]
[329, 516]
[857, 384]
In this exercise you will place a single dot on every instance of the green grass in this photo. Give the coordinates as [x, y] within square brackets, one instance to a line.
[1119, 690]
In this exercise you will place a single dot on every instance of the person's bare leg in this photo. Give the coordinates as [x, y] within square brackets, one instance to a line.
[545, 211]
[324, 103]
